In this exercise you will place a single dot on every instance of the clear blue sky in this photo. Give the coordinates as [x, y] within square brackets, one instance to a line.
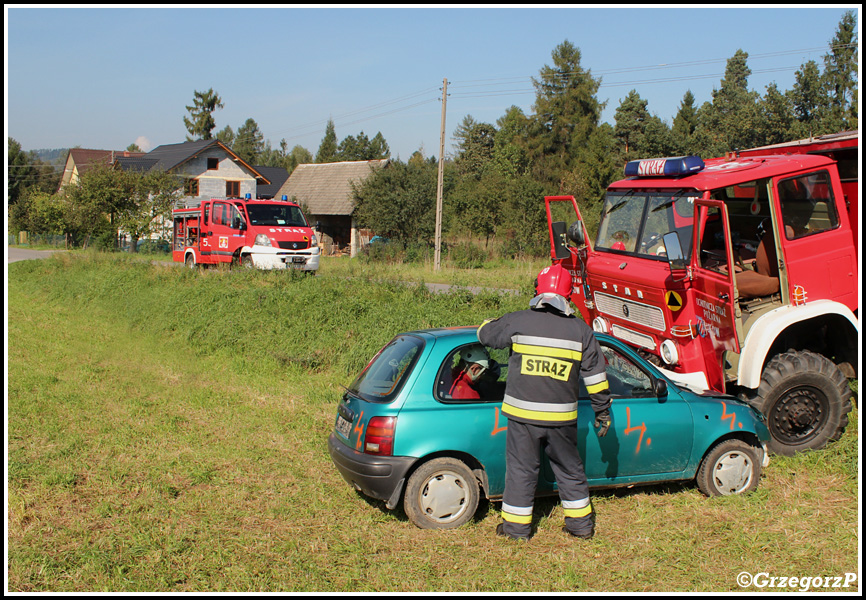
[107, 77]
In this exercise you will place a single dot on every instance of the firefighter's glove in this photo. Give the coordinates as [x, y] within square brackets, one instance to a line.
[602, 422]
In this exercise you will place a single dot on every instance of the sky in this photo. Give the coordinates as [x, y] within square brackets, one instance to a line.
[105, 78]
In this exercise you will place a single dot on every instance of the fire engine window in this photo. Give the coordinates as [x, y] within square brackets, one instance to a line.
[714, 254]
[807, 205]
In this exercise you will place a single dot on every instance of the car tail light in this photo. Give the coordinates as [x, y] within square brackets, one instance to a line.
[379, 438]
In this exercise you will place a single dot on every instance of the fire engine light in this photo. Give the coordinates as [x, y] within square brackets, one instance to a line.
[664, 167]
[262, 240]
[669, 352]
[600, 325]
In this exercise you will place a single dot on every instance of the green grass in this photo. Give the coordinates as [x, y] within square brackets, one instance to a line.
[167, 432]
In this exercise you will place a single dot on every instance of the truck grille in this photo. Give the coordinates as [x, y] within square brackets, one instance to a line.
[642, 314]
[294, 245]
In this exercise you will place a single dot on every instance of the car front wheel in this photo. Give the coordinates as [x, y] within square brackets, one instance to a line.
[441, 494]
[730, 467]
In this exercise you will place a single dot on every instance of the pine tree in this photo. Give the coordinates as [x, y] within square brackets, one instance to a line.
[328, 148]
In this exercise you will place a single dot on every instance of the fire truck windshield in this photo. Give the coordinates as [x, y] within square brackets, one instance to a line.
[276, 214]
[634, 222]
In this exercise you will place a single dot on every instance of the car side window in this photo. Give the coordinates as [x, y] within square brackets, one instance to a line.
[459, 382]
[624, 377]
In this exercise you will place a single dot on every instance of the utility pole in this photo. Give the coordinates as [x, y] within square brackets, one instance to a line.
[436, 261]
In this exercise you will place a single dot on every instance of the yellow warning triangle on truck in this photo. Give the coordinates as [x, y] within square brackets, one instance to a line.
[673, 300]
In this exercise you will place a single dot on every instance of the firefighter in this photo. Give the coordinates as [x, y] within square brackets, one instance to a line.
[551, 350]
[474, 362]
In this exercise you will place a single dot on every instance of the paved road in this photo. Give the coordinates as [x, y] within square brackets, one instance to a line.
[16, 254]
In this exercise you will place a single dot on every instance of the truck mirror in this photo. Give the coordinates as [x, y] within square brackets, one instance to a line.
[674, 251]
[575, 233]
[560, 249]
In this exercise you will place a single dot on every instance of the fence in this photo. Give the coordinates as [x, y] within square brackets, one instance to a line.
[25, 239]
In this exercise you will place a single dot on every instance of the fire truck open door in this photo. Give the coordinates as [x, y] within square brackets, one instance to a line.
[715, 294]
[562, 211]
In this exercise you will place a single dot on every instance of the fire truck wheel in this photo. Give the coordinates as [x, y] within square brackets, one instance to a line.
[730, 467]
[247, 261]
[190, 260]
[806, 400]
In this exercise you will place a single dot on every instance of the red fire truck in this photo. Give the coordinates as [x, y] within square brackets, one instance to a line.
[735, 274]
[264, 234]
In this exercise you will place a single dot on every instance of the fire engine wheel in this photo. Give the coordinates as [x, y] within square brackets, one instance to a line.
[730, 467]
[190, 260]
[441, 494]
[806, 400]
[247, 261]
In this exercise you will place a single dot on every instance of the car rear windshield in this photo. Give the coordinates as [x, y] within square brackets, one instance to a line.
[386, 374]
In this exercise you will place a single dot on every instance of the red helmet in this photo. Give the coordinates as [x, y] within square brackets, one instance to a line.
[555, 279]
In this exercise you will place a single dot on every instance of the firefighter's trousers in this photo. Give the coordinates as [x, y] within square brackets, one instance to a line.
[523, 445]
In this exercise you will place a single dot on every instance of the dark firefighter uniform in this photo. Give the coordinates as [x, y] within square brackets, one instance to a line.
[551, 351]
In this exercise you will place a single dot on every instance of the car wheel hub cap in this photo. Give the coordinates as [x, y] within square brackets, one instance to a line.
[733, 473]
[444, 497]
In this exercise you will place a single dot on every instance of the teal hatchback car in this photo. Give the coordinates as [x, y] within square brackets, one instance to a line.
[399, 435]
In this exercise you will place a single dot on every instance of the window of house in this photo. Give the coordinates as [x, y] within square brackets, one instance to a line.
[233, 189]
[213, 164]
[190, 187]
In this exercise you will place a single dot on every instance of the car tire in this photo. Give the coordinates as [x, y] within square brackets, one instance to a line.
[805, 399]
[730, 467]
[441, 494]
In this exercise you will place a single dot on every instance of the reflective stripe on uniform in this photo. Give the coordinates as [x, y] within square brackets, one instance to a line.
[539, 411]
[577, 508]
[517, 514]
[596, 383]
[543, 346]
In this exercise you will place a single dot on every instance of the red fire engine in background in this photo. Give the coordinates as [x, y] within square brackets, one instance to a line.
[264, 234]
[736, 274]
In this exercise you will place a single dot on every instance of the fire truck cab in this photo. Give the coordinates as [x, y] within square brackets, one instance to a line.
[263, 234]
[736, 274]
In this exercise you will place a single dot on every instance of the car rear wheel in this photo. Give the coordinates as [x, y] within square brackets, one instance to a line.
[441, 494]
[730, 467]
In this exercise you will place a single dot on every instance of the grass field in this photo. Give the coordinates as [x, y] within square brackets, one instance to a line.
[167, 432]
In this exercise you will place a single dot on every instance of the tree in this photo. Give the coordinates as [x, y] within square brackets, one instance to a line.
[840, 77]
[226, 135]
[777, 117]
[152, 196]
[475, 145]
[631, 118]
[249, 142]
[328, 148]
[566, 113]
[730, 121]
[685, 123]
[202, 123]
[399, 202]
[808, 97]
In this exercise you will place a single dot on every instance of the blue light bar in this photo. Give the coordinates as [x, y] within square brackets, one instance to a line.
[664, 167]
